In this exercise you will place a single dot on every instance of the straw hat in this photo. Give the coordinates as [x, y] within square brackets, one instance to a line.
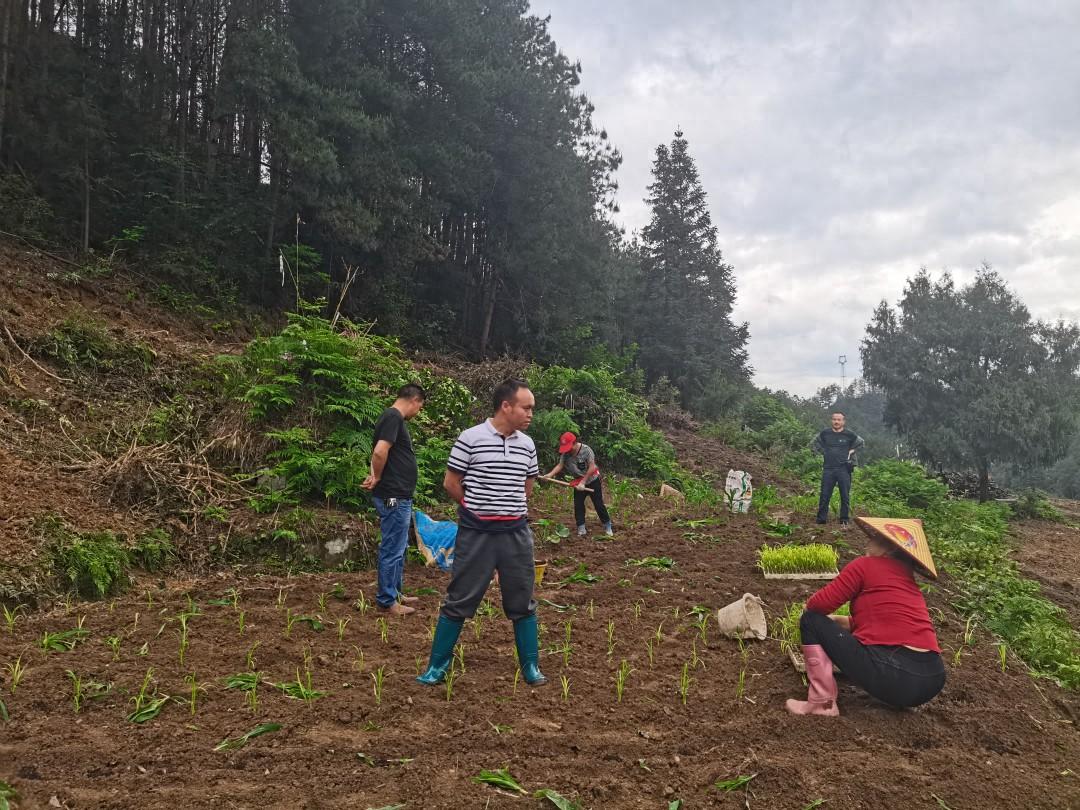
[907, 535]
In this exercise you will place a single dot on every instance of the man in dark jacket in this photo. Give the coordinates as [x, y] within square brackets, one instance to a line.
[838, 446]
[392, 482]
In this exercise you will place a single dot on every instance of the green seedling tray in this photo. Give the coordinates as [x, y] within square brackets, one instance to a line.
[805, 575]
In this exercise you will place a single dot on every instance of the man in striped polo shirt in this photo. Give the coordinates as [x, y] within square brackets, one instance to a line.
[490, 474]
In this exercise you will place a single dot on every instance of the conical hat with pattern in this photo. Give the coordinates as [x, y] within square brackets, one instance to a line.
[906, 534]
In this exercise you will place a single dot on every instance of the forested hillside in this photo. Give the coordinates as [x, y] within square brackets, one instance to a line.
[430, 163]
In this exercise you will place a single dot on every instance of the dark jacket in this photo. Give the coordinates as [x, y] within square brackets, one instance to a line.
[836, 445]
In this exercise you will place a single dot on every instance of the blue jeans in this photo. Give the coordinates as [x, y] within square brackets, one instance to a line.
[394, 522]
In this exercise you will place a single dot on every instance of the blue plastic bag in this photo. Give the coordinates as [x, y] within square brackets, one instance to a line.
[436, 539]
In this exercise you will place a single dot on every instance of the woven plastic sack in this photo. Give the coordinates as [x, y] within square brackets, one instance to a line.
[738, 491]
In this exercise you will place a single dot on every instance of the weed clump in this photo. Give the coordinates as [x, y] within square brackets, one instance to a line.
[93, 565]
[81, 342]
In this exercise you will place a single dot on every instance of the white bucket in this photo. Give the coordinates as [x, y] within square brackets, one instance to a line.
[743, 618]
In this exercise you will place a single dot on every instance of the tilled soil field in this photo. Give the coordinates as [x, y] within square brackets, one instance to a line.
[992, 739]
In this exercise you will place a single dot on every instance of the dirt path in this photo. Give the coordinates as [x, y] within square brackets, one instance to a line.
[992, 739]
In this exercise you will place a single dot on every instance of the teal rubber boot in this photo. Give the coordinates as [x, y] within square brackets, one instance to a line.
[528, 649]
[442, 651]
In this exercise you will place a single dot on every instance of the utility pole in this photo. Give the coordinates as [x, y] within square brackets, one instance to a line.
[843, 379]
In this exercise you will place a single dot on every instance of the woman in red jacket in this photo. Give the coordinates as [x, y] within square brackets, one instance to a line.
[887, 646]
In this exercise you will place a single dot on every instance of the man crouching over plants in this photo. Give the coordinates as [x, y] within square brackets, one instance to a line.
[887, 646]
[490, 474]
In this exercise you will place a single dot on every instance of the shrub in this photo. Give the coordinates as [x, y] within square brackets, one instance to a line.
[318, 392]
[154, 550]
[83, 342]
[93, 564]
[1035, 505]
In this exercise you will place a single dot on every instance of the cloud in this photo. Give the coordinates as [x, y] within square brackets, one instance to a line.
[844, 145]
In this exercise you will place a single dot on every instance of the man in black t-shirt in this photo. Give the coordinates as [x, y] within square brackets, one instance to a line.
[838, 446]
[392, 483]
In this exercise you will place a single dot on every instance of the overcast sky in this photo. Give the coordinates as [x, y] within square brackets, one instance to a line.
[844, 145]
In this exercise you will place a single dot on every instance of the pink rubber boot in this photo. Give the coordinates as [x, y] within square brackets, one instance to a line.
[821, 698]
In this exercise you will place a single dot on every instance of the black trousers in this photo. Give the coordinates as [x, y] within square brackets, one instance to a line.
[598, 502]
[834, 477]
[894, 675]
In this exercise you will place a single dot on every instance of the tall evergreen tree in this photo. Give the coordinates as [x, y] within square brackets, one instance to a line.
[683, 323]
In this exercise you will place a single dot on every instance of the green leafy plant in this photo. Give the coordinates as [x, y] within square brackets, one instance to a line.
[8, 794]
[500, 778]
[148, 704]
[10, 616]
[228, 744]
[300, 689]
[16, 670]
[564, 682]
[93, 564]
[557, 799]
[62, 641]
[660, 563]
[731, 785]
[581, 575]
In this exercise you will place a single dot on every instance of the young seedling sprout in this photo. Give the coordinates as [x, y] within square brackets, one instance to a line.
[361, 603]
[610, 637]
[744, 654]
[451, 676]
[383, 628]
[379, 678]
[419, 661]
[649, 650]
[240, 622]
[621, 674]
[194, 690]
[1002, 655]
[701, 624]
[322, 602]
[695, 659]
[591, 609]
[358, 659]
[341, 625]
[290, 620]
[10, 615]
[249, 659]
[113, 643]
[338, 591]
[477, 626]
[76, 690]
[565, 683]
[16, 670]
[459, 655]
[684, 682]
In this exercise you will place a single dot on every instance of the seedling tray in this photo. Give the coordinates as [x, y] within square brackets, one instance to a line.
[805, 575]
[799, 662]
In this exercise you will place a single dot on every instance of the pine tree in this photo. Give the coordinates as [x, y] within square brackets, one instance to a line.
[687, 292]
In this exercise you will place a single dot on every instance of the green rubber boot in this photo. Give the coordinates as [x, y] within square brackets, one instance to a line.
[528, 649]
[442, 651]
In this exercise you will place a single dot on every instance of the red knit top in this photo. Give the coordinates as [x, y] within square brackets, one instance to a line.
[887, 606]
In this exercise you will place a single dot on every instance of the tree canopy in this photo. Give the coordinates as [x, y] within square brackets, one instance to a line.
[969, 378]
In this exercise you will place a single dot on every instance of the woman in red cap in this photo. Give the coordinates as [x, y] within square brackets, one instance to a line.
[578, 460]
[887, 646]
